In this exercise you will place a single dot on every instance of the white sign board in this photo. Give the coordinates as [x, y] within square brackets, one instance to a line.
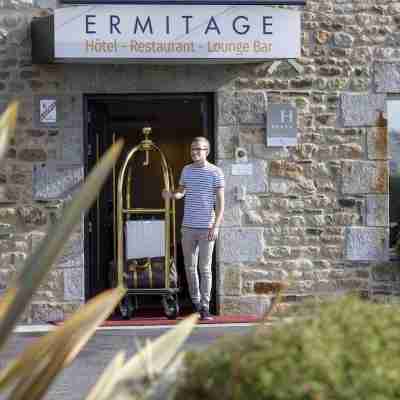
[144, 239]
[242, 169]
[48, 111]
[174, 32]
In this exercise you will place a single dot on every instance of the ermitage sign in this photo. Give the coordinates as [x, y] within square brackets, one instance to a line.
[250, 32]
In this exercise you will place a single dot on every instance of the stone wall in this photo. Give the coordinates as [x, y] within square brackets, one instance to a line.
[315, 214]
[43, 166]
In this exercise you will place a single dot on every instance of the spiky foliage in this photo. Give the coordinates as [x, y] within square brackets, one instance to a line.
[30, 375]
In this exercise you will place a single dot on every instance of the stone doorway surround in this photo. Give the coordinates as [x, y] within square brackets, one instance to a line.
[175, 120]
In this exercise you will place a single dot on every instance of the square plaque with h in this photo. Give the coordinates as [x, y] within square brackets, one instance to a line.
[281, 127]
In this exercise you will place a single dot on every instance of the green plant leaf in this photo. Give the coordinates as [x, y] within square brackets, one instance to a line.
[33, 371]
[156, 355]
[7, 127]
[164, 386]
[152, 359]
[108, 378]
[21, 291]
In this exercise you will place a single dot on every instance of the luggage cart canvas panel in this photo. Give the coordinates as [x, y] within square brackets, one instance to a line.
[144, 238]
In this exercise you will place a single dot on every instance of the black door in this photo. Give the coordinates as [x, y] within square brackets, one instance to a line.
[99, 225]
[175, 121]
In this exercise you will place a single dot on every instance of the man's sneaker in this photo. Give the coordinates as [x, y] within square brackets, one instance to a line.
[197, 307]
[205, 315]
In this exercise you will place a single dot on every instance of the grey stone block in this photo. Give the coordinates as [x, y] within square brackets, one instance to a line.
[241, 245]
[387, 77]
[231, 281]
[281, 186]
[11, 21]
[241, 108]
[233, 212]
[71, 114]
[260, 150]
[227, 139]
[257, 182]
[82, 78]
[259, 274]
[361, 109]
[257, 305]
[385, 272]
[54, 180]
[360, 177]
[6, 230]
[343, 39]
[367, 244]
[377, 210]
[73, 284]
[72, 145]
[32, 155]
[72, 256]
[35, 238]
[30, 216]
[51, 4]
[8, 194]
[46, 311]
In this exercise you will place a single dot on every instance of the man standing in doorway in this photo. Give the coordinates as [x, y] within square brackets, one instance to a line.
[202, 186]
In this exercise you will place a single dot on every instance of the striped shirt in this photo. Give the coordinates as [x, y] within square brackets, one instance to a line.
[201, 184]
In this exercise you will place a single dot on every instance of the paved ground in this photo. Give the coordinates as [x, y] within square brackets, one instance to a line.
[75, 381]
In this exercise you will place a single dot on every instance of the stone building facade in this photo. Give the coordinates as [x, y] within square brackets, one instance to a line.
[315, 214]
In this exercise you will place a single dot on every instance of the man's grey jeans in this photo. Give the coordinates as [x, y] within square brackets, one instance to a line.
[197, 254]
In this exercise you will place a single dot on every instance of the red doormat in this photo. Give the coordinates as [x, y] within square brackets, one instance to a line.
[150, 321]
[141, 319]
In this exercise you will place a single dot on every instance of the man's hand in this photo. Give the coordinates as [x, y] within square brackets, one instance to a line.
[213, 233]
[166, 194]
[219, 211]
[176, 195]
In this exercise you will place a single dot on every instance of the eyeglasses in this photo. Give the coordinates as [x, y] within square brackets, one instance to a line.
[198, 149]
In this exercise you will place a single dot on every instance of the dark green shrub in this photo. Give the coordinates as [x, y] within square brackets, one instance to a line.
[349, 350]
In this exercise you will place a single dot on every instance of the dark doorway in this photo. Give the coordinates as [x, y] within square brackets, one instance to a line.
[175, 120]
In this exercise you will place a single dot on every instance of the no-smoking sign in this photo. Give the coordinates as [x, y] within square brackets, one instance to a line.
[48, 111]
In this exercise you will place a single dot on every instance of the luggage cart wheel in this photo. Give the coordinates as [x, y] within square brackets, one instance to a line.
[171, 306]
[126, 307]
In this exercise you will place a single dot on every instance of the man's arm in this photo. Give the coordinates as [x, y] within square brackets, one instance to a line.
[219, 213]
[177, 194]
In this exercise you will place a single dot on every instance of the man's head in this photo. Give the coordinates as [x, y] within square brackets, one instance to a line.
[200, 149]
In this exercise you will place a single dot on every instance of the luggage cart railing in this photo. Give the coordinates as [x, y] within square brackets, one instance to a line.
[125, 209]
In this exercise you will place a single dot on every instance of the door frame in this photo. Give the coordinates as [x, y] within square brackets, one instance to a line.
[88, 100]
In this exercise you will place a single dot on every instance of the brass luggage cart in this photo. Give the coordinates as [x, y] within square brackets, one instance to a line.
[145, 246]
